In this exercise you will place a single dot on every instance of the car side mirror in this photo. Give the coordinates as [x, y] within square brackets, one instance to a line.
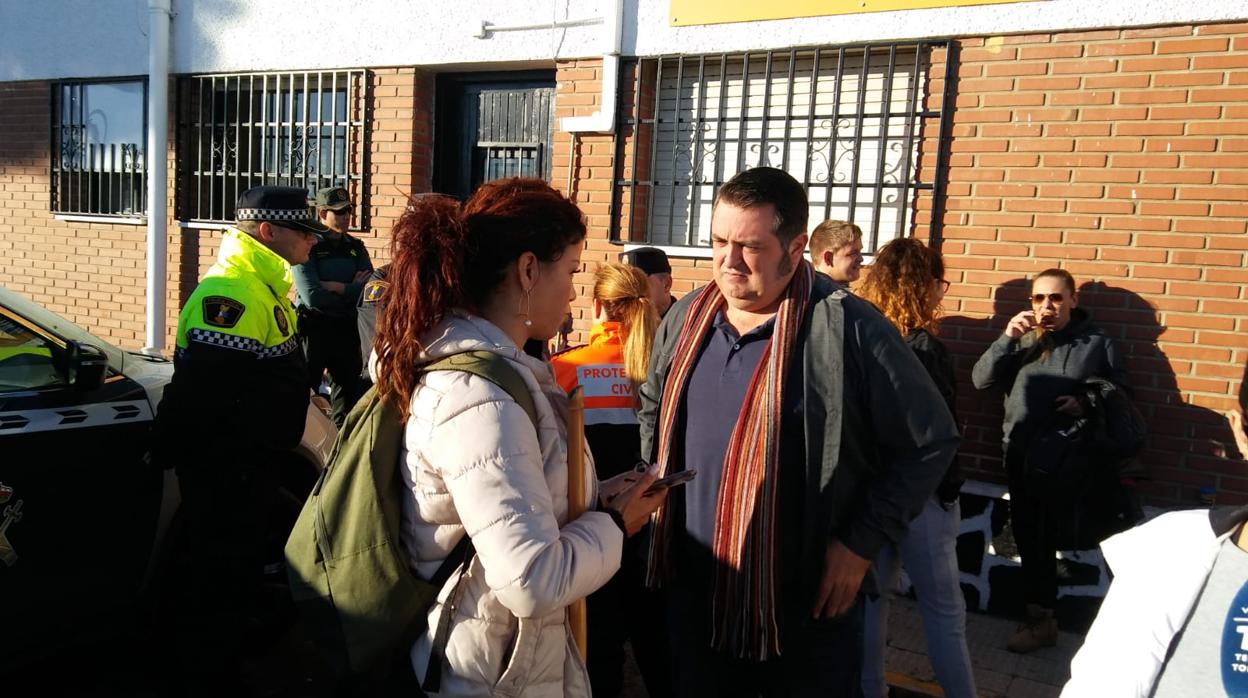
[87, 366]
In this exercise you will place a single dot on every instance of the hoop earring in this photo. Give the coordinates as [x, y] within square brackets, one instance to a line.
[524, 309]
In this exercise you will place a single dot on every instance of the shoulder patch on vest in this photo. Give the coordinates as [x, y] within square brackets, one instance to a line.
[375, 290]
[279, 316]
[220, 311]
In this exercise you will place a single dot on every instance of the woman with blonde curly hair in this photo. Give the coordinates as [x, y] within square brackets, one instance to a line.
[609, 369]
[907, 284]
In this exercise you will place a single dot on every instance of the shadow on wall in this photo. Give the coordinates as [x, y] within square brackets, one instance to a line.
[1188, 447]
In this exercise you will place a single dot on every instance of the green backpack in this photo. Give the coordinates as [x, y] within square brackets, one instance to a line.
[349, 574]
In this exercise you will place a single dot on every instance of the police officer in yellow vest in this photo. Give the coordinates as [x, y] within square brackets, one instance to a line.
[234, 409]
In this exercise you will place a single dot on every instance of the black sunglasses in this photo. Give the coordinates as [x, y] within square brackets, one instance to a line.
[1054, 298]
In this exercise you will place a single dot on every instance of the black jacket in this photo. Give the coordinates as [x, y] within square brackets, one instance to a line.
[935, 358]
[866, 463]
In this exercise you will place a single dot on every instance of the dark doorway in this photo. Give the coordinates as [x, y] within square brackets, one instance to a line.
[490, 126]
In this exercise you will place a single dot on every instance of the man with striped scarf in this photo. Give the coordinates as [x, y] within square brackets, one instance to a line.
[816, 435]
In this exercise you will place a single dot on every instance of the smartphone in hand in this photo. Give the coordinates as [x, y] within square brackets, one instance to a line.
[673, 480]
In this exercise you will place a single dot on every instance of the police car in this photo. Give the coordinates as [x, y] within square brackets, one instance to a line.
[84, 516]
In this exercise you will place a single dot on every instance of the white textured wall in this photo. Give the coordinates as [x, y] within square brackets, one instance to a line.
[42, 39]
[659, 37]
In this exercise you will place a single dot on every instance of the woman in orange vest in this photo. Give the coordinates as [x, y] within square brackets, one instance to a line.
[609, 369]
[612, 365]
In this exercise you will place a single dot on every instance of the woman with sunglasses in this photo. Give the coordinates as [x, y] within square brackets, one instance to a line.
[907, 284]
[1042, 361]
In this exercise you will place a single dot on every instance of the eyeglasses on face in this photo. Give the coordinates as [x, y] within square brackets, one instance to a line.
[1054, 298]
[944, 285]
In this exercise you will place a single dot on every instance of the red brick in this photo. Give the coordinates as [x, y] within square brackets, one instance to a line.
[1114, 114]
[1186, 113]
[1154, 65]
[1136, 223]
[1148, 128]
[1209, 45]
[1059, 51]
[1153, 97]
[1220, 62]
[1039, 174]
[1035, 205]
[1187, 79]
[1046, 84]
[1082, 160]
[1083, 191]
[1107, 176]
[1092, 129]
[1080, 98]
[994, 70]
[1066, 222]
[1083, 67]
[1085, 36]
[1021, 99]
[1220, 95]
[1153, 32]
[1169, 241]
[1043, 145]
[1109, 145]
[1209, 225]
[1157, 208]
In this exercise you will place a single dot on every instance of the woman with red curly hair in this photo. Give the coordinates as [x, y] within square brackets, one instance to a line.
[489, 276]
[907, 283]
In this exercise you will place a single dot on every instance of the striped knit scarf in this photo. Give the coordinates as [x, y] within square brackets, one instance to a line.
[744, 602]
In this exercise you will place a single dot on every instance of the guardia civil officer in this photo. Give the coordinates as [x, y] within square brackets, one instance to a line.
[329, 286]
[235, 407]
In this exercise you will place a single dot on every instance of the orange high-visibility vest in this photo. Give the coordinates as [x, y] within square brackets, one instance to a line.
[598, 367]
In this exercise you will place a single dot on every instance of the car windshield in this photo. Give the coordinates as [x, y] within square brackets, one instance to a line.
[59, 326]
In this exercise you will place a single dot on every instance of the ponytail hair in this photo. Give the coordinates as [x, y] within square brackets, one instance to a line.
[624, 292]
[444, 256]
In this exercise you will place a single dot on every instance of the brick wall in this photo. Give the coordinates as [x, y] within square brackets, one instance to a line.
[92, 273]
[1119, 155]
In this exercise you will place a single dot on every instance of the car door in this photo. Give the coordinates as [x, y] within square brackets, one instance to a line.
[78, 503]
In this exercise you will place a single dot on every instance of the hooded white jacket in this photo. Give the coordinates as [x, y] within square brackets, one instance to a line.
[475, 464]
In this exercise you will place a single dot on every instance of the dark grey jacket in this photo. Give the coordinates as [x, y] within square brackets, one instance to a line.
[1033, 379]
[873, 457]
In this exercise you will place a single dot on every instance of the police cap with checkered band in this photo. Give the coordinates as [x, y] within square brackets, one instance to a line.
[284, 206]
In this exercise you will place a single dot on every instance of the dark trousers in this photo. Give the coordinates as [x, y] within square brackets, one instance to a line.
[818, 658]
[226, 610]
[1036, 543]
[333, 345]
[622, 610]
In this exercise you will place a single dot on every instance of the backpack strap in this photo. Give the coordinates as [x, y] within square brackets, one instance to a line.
[495, 369]
[498, 371]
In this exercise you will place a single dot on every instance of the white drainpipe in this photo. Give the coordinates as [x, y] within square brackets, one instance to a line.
[160, 16]
[603, 120]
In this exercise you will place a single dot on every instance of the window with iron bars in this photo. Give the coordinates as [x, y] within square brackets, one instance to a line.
[301, 129]
[861, 127]
[98, 135]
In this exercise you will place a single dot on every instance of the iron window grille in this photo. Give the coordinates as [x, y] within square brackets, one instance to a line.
[302, 129]
[860, 126]
[98, 134]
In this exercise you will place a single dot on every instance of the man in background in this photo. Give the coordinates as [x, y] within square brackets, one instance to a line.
[329, 285]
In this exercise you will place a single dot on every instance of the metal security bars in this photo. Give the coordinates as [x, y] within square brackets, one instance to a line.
[859, 126]
[294, 129]
[98, 132]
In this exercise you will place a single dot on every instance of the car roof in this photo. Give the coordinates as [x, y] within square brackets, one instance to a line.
[57, 325]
